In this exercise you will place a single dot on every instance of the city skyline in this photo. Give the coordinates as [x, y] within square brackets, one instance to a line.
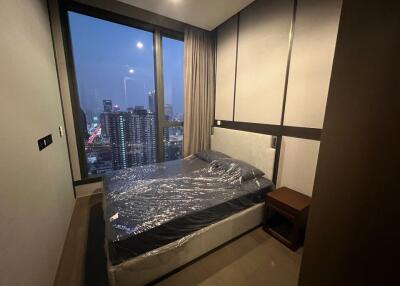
[115, 77]
[120, 65]
[121, 139]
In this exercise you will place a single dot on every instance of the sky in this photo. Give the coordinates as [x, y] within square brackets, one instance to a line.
[110, 63]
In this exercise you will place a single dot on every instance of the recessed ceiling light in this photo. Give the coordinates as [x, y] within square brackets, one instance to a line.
[131, 71]
[139, 45]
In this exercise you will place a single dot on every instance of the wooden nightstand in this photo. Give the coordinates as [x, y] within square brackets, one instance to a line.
[286, 215]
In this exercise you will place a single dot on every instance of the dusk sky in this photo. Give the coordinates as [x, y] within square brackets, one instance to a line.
[109, 57]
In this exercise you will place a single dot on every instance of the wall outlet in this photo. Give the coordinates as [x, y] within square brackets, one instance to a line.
[218, 122]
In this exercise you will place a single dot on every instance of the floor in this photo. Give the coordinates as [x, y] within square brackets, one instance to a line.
[253, 259]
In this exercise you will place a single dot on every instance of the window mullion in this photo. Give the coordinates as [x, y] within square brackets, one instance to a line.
[159, 94]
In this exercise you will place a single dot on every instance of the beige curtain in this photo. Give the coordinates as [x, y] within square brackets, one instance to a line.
[200, 53]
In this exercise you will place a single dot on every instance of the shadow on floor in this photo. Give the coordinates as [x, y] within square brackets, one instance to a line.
[96, 261]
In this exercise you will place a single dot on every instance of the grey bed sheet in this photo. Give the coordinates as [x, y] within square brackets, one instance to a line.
[146, 207]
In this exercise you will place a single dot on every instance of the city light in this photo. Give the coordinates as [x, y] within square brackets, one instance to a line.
[123, 132]
[119, 140]
[139, 45]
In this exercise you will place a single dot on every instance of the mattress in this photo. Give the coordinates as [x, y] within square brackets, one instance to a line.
[151, 206]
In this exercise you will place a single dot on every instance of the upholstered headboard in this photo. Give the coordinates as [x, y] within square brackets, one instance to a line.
[253, 148]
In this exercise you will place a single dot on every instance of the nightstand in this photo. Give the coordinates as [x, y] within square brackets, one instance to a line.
[285, 216]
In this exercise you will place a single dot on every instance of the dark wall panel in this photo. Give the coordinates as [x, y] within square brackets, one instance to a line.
[353, 236]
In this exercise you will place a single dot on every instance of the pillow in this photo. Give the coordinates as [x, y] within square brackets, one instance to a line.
[247, 171]
[210, 155]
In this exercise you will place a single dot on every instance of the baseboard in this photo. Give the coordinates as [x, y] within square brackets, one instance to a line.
[88, 190]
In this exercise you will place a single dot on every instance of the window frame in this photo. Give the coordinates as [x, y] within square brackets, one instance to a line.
[158, 34]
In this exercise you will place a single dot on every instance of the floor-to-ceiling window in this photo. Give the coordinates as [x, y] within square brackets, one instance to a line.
[173, 51]
[125, 117]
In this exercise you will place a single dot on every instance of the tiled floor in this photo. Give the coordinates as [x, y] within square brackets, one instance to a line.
[253, 259]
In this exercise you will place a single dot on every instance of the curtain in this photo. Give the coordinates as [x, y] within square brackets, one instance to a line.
[200, 66]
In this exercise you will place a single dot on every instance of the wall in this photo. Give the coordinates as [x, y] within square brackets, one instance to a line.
[61, 62]
[263, 44]
[226, 67]
[297, 164]
[280, 66]
[313, 49]
[36, 187]
[352, 235]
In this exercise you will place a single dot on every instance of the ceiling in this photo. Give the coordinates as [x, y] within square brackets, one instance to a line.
[206, 14]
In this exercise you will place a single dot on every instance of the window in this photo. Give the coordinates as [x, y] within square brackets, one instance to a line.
[173, 51]
[118, 109]
[173, 142]
[173, 79]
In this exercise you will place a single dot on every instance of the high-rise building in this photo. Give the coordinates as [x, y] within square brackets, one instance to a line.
[136, 108]
[118, 136]
[173, 143]
[132, 136]
[168, 111]
[142, 136]
[105, 124]
[151, 136]
[104, 118]
[152, 101]
[107, 105]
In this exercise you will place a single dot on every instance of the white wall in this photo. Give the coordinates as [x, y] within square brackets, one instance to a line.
[297, 164]
[35, 187]
[64, 88]
[226, 62]
[262, 59]
[311, 62]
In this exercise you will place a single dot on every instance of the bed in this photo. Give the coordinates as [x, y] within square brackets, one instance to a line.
[161, 216]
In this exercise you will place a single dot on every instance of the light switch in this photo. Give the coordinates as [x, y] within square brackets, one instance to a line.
[44, 142]
[61, 129]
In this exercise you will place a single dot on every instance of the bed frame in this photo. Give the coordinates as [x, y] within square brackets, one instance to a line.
[250, 147]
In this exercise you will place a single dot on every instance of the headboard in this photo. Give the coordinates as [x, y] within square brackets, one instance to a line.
[253, 148]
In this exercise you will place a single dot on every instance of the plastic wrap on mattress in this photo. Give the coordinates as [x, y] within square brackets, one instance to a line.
[146, 208]
[145, 268]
